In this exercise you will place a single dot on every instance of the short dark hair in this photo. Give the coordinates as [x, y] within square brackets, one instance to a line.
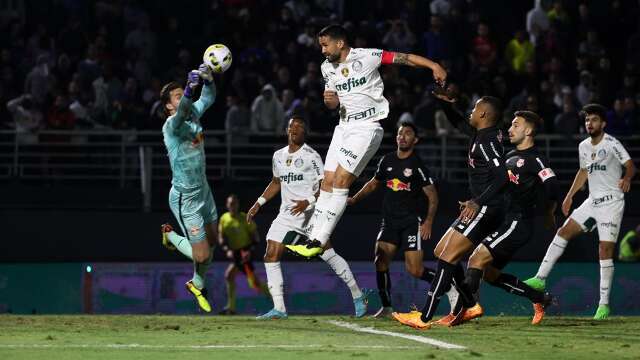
[495, 104]
[594, 109]
[165, 94]
[335, 32]
[530, 118]
[409, 124]
[300, 119]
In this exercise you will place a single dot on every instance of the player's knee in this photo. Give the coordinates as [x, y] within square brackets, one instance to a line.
[606, 250]
[414, 270]
[270, 256]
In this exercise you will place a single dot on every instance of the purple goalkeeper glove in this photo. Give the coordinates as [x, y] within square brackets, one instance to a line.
[193, 80]
[205, 74]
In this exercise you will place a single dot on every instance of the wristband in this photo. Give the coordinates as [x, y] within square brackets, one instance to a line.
[261, 200]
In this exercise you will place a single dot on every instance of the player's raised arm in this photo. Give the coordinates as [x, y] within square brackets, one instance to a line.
[439, 73]
[208, 94]
[371, 185]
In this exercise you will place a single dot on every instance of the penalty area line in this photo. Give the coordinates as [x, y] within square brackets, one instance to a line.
[421, 339]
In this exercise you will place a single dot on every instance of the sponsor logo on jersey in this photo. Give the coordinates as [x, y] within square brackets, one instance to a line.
[398, 185]
[609, 224]
[377, 53]
[351, 83]
[362, 115]
[407, 172]
[349, 153]
[597, 167]
[520, 163]
[291, 177]
[345, 72]
[514, 178]
[298, 163]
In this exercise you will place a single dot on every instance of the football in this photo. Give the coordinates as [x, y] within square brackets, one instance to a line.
[218, 58]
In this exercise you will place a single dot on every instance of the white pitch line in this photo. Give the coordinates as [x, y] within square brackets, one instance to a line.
[198, 347]
[421, 339]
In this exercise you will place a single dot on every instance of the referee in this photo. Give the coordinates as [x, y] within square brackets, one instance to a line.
[405, 180]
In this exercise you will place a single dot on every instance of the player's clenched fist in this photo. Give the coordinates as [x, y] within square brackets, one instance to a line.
[331, 99]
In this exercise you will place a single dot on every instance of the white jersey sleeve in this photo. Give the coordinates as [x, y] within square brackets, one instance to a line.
[620, 152]
[329, 83]
[274, 168]
[582, 155]
[318, 166]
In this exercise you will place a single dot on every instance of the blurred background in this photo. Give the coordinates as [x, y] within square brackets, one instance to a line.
[84, 176]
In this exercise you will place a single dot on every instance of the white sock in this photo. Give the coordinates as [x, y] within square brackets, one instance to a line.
[453, 295]
[333, 213]
[555, 250]
[318, 214]
[276, 285]
[341, 268]
[606, 278]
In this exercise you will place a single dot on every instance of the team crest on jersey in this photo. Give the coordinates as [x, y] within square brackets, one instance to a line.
[602, 153]
[520, 163]
[194, 230]
[593, 156]
[288, 162]
[514, 178]
[407, 172]
[298, 163]
[357, 66]
[345, 72]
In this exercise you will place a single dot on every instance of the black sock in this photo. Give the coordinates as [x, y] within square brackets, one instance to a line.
[513, 285]
[472, 279]
[466, 297]
[384, 287]
[440, 284]
[428, 274]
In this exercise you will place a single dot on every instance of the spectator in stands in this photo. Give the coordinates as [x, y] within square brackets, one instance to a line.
[89, 68]
[619, 122]
[568, 122]
[435, 42]
[291, 104]
[483, 49]
[267, 114]
[583, 91]
[27, 119]
[537, 22]
[399, 37]
[311, 80]
[106, 89]
[59, 117]
[238, 118]
[142, 40]
[558, 15]
[440, 8]
[591, 46]
[38, 81]
[518, 52]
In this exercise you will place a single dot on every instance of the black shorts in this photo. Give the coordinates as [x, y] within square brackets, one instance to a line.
[486, 222]
[403, 232]
[237, 259]
[514, 232]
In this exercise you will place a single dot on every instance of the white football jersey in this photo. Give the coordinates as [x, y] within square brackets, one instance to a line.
[604, 164]
[358, 84]
[299, 173]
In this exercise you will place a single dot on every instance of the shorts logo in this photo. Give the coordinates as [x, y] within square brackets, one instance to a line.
[520, 163]
[194, 230]
[357, 66]
[298, 163]
[407, 172]
[345, 72]
[349, 153]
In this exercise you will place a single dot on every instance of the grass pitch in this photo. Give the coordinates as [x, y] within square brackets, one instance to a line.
[309, 337]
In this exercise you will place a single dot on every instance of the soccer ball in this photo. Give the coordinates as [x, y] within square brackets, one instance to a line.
[217, 57]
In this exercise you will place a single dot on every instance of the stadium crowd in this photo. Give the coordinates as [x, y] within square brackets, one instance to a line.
[100, 64]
